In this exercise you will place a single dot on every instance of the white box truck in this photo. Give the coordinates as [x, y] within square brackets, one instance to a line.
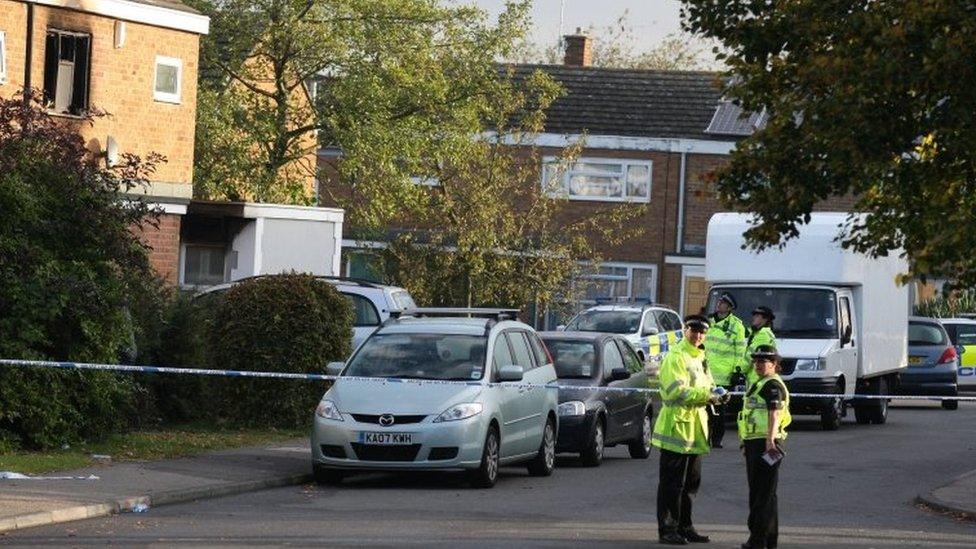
[841, 318]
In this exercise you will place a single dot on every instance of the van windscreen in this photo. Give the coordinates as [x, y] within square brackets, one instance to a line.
[800, 313]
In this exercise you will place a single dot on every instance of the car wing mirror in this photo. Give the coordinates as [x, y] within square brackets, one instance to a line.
[649, 331]
[960, 349]
[510, 373]
[619, 374]
[561, 328]
[334, 368]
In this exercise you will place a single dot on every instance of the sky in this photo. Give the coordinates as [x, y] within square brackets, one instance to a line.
[652, 20]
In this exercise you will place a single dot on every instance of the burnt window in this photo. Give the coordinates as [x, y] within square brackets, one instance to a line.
[67, 63]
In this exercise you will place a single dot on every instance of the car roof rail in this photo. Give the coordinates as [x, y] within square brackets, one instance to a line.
[634, 301]
[494, 314]
[358, 281]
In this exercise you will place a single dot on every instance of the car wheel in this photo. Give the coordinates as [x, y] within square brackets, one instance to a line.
[324, 475]
[640, 448]
[544, 462]
[592, 455]
[950, 404]
[486, 474]
[879, 412]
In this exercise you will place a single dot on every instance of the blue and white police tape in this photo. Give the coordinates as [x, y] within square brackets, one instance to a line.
[385, 380]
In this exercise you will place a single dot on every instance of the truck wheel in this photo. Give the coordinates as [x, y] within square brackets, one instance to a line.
[950, 404]
[879, 412]
[592, 455]
[833, 412]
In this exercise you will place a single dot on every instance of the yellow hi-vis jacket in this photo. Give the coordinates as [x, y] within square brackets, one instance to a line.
[763, 336]
[725, 347]
[753, 420]
[682, 424]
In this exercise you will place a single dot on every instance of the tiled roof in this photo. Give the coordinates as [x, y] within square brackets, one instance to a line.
[638, 103]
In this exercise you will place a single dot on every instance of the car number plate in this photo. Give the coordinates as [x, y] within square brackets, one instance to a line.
[385, 439]
[914, 360]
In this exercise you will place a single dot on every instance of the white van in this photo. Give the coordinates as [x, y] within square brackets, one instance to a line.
[841, 319]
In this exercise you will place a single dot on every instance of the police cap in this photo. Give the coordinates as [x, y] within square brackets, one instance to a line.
[765, 351]
[727, 297]
[764, 311]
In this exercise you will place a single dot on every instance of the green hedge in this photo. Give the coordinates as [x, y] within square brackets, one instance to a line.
[284, 323]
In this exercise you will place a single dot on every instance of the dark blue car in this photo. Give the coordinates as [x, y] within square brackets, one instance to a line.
[933, 362]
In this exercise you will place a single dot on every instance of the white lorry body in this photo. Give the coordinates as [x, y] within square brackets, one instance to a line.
[816, 290]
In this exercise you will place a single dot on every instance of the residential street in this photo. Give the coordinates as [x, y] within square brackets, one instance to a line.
[854, 487]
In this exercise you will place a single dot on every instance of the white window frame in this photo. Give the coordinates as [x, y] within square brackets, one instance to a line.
[629, 277]
[167, 97]
[562, 191]
[3, 57]
[182, 266]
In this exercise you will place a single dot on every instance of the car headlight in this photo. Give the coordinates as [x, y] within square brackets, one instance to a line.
[811, 364]
[572, 408]
[328, 410]
[460, 411]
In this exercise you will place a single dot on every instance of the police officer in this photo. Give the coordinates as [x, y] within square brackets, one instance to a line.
[725, 346]
[759, 333]
[762, 428]
[681, 432]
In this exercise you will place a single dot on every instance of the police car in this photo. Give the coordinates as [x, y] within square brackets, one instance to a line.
[649, 327]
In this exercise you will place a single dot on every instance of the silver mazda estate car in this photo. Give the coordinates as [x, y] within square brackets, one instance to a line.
[440, 389]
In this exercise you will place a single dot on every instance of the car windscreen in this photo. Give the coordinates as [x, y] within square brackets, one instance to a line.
[420, 356]
[800, 313]
[614, 322]
[573, 359]
[926, 333]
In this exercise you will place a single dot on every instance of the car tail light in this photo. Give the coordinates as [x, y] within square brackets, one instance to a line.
[948, 355]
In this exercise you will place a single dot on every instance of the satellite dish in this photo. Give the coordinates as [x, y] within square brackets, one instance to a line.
[111, 151]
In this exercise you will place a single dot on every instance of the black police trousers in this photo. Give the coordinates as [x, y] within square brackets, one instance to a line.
[763, 478]
[680, 477]
[716, 424]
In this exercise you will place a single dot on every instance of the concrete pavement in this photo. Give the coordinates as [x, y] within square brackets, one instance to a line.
[122, 486]
[853, 487]
[957, 497]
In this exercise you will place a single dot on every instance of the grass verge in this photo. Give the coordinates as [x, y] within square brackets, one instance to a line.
[162, 443]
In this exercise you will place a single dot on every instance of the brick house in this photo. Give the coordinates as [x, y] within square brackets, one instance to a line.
[135, 59]
[651, 138]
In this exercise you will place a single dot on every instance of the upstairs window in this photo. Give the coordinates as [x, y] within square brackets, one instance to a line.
[3, 58]
[598, 179]
[169, 76]
[67, 64]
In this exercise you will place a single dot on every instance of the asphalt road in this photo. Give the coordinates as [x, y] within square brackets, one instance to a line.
[850, 488]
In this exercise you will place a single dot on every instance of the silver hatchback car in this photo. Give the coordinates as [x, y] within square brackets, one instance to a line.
[440, 389]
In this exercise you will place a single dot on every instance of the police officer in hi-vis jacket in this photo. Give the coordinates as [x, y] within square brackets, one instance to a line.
[762, 428]
[681, 432]
[725, 348]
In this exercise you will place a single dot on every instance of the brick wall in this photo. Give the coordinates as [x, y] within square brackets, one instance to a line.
[164, 246]
[122, 83]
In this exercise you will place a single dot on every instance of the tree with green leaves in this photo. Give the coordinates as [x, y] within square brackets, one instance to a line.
[490, 232]
[871, 99]
[73, 276]
[398, 84]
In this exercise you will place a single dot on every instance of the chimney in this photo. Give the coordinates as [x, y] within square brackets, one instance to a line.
[579, 49]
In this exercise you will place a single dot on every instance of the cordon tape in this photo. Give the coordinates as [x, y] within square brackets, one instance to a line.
[387, 380]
